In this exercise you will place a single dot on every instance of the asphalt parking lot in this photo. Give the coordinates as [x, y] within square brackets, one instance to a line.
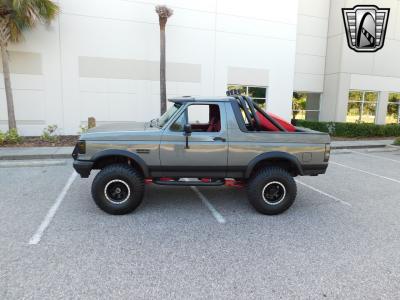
[341, 238]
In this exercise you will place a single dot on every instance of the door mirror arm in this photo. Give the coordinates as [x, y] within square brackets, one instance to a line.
[187, 131]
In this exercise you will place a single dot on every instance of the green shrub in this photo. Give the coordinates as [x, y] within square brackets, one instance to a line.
[12, 137]
[352, 129]
[397, 142]
[49, 134]
[2, 138]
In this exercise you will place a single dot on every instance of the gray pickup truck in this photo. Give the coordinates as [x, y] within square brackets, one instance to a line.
[202, 142]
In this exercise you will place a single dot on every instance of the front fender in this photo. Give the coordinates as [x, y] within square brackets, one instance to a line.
[116, 152]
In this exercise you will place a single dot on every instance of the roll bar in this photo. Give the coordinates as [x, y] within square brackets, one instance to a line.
[252, 106]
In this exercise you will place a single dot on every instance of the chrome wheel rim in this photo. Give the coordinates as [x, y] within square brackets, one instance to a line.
[273, 193]
[117, 191]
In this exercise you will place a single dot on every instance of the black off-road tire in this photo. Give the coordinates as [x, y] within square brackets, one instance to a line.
[270, 183]
[114, 178]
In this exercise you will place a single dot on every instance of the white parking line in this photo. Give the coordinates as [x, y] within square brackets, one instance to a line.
[376, 156]
[212, 209]
[35, 239]
[323, 193]
[366, 172]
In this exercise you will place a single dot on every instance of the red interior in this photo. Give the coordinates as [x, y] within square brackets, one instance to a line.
[215, 119]
[200, 127]
[214, 124]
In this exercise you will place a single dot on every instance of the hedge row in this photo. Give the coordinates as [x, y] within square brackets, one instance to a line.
[351, 129]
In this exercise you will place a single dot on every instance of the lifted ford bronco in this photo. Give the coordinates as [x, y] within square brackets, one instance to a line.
[212, 142]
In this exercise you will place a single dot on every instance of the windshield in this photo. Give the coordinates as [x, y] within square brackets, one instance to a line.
[168, 115]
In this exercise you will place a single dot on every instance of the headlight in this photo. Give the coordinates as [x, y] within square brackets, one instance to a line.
[81, 145]
[327, 152]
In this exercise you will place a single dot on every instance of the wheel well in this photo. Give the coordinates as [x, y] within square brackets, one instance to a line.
[283, 163]
[116, 159]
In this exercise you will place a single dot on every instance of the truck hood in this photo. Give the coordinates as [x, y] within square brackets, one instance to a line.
[128, 126]
[122, 132]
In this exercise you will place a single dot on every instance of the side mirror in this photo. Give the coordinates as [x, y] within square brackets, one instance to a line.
[187, 128]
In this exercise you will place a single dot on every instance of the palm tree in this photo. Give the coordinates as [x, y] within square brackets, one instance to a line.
[16, 16]
[164, 13]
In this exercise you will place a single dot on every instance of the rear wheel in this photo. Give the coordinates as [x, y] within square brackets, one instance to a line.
[271, 190]
[118, 189]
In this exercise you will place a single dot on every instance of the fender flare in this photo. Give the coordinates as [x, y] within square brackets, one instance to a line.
[273, 155]
[115, 152]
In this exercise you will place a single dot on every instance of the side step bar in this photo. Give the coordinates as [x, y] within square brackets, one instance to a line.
[189, 183]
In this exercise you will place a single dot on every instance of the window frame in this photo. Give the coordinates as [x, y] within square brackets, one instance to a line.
[363, 102]
[307, 110]
[185, 108]
[397, 103]
[253, 86]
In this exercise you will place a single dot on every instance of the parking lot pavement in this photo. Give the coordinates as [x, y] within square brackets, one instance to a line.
[340, 239]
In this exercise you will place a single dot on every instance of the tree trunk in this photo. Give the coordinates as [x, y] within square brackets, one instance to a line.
[7, 85]
[163, 88]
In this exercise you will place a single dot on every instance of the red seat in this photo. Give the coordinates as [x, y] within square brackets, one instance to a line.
[215, 119]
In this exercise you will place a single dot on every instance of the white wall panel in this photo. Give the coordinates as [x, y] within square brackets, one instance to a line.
[375, 83]
[203, 5]
[235, 24]
[308, 82]
[124, 107]
[354, 62]
[277, 57]
[311, 45]
[310, 64]
[313, 26]
[93, 104]
[334, 54]
[318, 8]
[387, 61]
[278, 11]
[335, 17]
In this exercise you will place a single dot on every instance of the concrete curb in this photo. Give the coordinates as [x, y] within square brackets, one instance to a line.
[28, 153]
[35, 156]
[359, 146]
[31, 163]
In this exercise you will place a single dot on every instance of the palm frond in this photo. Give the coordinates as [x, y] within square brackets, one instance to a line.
[25, 14]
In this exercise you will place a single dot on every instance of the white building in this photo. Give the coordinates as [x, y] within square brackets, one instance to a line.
[100, 58]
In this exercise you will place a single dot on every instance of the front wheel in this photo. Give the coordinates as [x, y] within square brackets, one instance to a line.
[271, 190]
[118, 189]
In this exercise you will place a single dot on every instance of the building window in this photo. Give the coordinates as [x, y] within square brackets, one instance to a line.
[362, 107]
[393, 109]
[305, 106]
[258, 93]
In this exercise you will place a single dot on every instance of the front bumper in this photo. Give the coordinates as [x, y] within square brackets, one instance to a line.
[83, 167]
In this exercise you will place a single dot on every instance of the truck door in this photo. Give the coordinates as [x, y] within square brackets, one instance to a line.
[207, 152]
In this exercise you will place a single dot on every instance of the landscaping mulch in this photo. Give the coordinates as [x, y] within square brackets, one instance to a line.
[36, 141]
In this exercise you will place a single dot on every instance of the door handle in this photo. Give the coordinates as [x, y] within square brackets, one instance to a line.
[218, 138]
